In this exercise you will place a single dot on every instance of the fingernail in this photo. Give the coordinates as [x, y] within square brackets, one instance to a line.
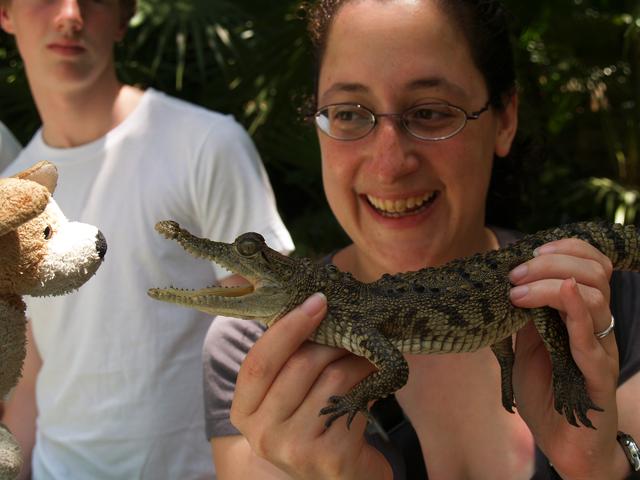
[519, 272]
[547, 248]
[518, 292]
[314, 304]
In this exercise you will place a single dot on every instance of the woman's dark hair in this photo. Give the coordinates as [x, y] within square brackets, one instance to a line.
[483, 22]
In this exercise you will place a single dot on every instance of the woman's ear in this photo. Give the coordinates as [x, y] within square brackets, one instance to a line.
[507, 125]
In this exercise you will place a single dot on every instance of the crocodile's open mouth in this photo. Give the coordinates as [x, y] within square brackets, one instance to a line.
[261, 298]
[185, 295]
[402, 207]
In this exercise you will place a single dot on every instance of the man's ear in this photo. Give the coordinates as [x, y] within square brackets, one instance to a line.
[5, 20]
[507, 119]
[122, 29]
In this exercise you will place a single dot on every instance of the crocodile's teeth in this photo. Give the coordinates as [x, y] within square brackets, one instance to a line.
[203, 293]
[402, 205]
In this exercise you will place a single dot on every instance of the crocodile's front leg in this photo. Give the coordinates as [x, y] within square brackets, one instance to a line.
[569, 389]
[392, 374]
[503, 350]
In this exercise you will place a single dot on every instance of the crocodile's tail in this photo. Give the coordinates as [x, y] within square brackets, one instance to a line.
[621, 243]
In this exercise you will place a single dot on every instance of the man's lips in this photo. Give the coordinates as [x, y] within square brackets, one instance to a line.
[69, 49]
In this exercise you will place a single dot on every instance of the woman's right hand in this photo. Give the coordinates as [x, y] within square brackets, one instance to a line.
[284, 382]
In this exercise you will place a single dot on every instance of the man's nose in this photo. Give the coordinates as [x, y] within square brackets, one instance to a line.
[69, 18]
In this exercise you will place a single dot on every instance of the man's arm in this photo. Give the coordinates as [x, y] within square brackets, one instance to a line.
[20, 410]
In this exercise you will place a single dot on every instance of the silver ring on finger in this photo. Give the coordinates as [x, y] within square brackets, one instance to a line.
[607, 330]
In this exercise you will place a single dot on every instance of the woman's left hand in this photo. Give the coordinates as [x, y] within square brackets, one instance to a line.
[572, 277]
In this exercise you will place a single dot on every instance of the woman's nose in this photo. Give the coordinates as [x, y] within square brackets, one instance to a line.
[391, 155]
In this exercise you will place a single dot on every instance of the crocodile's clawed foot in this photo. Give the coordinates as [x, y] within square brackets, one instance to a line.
[572, 400]
[508, 402]
[343, 405]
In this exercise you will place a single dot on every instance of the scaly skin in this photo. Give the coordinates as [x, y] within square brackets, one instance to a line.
[459, 307]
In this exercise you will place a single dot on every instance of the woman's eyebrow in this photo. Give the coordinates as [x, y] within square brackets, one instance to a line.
[347, 87]
[437, 82]
[417, 84]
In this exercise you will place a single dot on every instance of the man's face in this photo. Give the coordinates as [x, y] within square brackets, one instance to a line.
[65, 43]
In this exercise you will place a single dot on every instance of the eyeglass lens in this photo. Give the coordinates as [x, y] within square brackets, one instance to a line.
[429, 121]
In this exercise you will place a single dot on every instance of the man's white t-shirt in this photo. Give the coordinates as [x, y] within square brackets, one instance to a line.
[120, 394]
[9, 146]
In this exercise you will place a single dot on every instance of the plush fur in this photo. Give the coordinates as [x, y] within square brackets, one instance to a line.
[41, 253]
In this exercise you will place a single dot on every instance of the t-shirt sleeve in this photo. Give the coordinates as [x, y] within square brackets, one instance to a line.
[231, 193]
[9, 147]
[226, 344]
[625, 307]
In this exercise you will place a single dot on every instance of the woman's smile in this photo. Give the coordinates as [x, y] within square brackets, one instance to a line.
[402, 207]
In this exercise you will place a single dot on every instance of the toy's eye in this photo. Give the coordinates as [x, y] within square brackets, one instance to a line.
[48, 232]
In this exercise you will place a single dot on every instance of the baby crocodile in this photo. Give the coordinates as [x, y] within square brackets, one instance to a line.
[459, 307]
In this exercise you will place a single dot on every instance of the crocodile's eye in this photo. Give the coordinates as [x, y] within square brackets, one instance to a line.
[248, 247]
[249, 243]
[48, 232]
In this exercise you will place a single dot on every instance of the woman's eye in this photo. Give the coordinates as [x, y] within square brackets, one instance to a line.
[427, 114]
[344, 115]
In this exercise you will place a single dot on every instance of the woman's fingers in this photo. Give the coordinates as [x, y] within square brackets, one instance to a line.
[336, 379]
[265, 359]
[539, 281]
[291, 387]
[543, 293]
[561, 266]
[575, 248]
[597, 358]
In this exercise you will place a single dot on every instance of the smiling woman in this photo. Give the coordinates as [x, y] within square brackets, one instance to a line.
[403, 73]
[415, 99]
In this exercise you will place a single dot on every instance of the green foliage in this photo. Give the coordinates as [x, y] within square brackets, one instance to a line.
[577, 60]
[578, 66]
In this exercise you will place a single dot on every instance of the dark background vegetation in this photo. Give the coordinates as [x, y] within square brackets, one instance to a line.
[578, 66]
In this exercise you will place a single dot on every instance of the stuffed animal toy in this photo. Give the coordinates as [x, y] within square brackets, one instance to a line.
[41, 253]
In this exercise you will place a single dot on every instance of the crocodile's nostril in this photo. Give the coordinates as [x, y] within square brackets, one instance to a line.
[101, 244]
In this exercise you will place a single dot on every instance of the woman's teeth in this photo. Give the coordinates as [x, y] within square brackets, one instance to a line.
[403, 206]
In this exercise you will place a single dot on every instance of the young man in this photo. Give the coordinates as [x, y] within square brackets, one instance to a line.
[112, 382]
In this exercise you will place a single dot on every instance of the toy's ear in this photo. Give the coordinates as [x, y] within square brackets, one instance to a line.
[20, 201]
[45, 173]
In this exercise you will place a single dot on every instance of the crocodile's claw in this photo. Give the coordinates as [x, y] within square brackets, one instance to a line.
[340, 405]
[572, 400]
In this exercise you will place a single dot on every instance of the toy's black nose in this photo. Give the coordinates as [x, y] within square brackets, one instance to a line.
[101, 244]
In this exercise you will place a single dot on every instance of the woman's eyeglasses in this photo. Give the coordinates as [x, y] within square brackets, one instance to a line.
[428, 121]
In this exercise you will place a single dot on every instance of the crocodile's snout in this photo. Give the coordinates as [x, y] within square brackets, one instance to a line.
[168, 228]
